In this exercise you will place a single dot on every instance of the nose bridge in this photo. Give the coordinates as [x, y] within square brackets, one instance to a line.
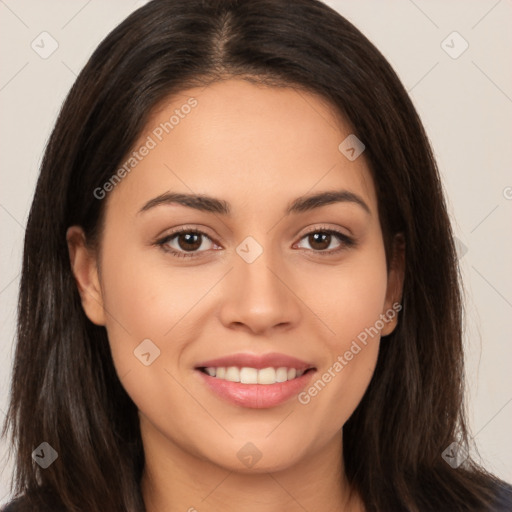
[254, 270]
[258, 296]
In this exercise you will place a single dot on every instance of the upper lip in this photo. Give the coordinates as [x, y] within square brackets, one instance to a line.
[260, 361]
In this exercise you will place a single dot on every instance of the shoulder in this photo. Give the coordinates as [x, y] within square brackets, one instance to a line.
[36, 502]
[17, 505]
[22, 504]
[503, 498]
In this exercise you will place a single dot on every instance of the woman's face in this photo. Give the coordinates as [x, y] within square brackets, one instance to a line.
[265, 285]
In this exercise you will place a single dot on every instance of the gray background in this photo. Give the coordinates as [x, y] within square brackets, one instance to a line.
[464, 102]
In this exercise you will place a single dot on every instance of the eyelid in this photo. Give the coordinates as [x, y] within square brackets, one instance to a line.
[346, 241]
[162, 241]
[325, 228]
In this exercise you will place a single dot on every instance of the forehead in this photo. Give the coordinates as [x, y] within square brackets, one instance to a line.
[250, 144]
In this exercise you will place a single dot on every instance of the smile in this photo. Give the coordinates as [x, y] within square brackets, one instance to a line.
[256, 381]
[248, 375]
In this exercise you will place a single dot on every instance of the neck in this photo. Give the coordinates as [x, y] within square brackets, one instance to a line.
[175, 480]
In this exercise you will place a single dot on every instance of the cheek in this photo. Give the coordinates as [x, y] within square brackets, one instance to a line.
[145, 301]
[350, 298]
[351, 305]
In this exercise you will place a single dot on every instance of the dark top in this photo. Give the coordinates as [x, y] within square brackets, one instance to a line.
[502, 503]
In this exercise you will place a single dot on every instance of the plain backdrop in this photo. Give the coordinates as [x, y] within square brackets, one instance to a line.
[463, 95]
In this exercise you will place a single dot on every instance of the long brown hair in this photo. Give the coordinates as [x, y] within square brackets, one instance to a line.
[65, 390]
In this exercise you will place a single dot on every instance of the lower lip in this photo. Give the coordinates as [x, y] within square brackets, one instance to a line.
[257, 396]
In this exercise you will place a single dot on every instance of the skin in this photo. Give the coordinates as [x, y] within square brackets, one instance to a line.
[259, 148]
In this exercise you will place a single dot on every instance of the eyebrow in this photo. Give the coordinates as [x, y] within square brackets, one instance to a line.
[213, 205]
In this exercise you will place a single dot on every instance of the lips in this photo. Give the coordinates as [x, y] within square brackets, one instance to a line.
[273, 360]
[255, 381]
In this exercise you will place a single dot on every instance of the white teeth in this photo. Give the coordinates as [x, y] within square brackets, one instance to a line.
[282, 374]
[267, 376]
[247, 375]
[232, 374]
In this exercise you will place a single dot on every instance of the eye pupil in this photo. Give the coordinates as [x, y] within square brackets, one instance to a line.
[192, 239]
[320, 238]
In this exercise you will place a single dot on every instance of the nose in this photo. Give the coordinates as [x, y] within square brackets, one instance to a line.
[259, 296]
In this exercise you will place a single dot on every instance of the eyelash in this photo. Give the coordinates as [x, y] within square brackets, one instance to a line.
[346, 242]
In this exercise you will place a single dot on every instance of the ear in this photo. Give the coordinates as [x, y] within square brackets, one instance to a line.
[395, 284]
[85, 269]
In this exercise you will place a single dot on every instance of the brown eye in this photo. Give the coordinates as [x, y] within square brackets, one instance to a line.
[185, 243]
[321, 240]
[189, 241]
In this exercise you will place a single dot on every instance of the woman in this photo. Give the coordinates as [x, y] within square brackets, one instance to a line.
[239, 285]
